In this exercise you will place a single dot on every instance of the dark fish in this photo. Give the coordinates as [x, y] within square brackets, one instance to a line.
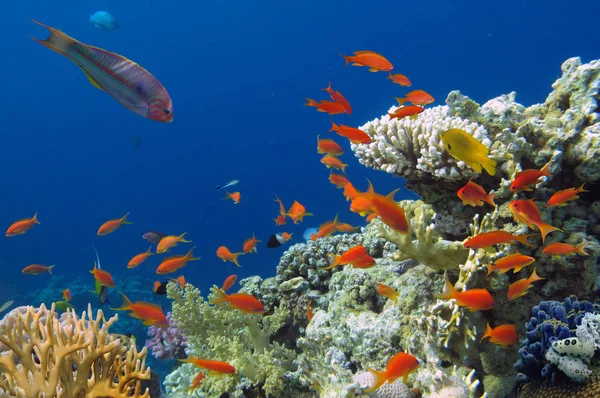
[227, 184]
[275, 240]
[161, 289]
[153, 236]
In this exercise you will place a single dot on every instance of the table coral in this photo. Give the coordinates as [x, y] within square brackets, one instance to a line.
[73, 357]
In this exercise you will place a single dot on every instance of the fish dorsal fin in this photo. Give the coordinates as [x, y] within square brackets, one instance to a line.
[91, 79]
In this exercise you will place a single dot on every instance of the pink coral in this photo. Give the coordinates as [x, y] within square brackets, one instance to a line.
[167, 342]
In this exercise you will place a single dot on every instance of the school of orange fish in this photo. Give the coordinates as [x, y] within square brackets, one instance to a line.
[369, 204]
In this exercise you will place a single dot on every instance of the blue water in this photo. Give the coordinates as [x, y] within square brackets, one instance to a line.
[238, 73]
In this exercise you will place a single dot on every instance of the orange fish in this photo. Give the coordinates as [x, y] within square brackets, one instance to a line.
[196, 382]
[561, 198]
[528, 213]
[21, 226]
[333, 163]
[36, 269]
[111, 225]
[285, 236]
[328, 228]
[280, 220]
[329, 147]
[250, 244]
[339, 180]
[374, 61]
[366, 262]
[520, 287]
[297, 212]
[350, 256]
[399, 79]
[224, 254]
[487, 239]
[350, 192]
[169, 241]
[370, 217]
[244, 302]
[139, 258]
[405, 111]
[339, 98]
[400, 365]
[331, 107]
[215, 366]
[390, 212]
[356, 136]
[503, 335]
[180, 280]
[417, 97]
[473, 194]
[516, 262]
[345, 227]
[229, 282]
[66, 295]
[151, 314]
[388, 292]
[104, 278]
[309, 313]
[526, 178]
[361, 205]
[473, 299]
[557, 249]
[234, 196]
[173, 263]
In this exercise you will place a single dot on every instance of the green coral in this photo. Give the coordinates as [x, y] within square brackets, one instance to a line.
[221, 333]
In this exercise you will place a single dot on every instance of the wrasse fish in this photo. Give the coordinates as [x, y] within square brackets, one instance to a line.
[561, 198]
[406, 111]
[386, 291]
[229, 282]
[558, 248]
[528, 213]
[354, 135]
[104, 278]
[329, 147]
[526, 178]
[127, 82]
[151, 314]
[487, 239]
[400, 365]
[473, 194]
[502, 335]
[339, 180]
[520, 287]
[473, 299]
[36, 269]
[173, 263]
[169, 241]
[250, 244]
[374, 61]
[399, 79]
[516, 262]
[227, 184]
[139, 258]
[224, 254]
[330, 107]
[417, 97]
[390, 212]
[22, 226]
[333, 163]
[66, 295]
[339, 98]
[244, 302]
[215, 366]
[350, 256]
[112, 225]
[234, 196]
[297, 212]
[463, 146]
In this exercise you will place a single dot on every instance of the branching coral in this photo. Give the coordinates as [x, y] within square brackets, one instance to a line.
[167, 342]
[74, 358]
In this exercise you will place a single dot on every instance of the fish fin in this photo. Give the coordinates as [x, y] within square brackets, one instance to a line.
[91, 79]
[580, 189]
[523, 239]
[489, 165]
[334, 263]
[378, 379]
[488, 332]
[348, 58]
[449, 291]
[220, 297]
[373, 70]
[181, 240]
[490, 269]
[190, 256]
[517, 269]
[34, 218]
[126, 304]
[50, 269]
[334, 127]
[545, 171]
[401, 101]
[124, 219]
[545, 229]
[475, 166]
[535, 277]
[490, 199]
[581, 249]
[57, 41]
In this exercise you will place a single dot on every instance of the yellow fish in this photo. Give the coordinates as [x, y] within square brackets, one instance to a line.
[463, 146]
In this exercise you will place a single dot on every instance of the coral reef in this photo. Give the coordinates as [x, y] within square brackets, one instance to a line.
[68, 357]
[167, 342]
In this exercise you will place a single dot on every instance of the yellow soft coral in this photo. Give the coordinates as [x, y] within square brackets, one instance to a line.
[71, 357]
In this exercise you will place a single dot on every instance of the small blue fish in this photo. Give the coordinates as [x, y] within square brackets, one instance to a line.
[227, 184]
[103, 20]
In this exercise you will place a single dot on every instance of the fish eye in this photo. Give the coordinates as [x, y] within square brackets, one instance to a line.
[166, 111]
[467, 245]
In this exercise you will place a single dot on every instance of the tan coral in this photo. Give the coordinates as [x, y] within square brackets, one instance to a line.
[71, 358]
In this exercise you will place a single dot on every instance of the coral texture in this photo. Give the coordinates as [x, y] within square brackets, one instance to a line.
[167, 342]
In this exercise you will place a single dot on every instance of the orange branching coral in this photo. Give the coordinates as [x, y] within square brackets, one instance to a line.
[69, 357]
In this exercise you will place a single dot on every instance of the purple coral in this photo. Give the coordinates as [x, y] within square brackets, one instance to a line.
[167, 342]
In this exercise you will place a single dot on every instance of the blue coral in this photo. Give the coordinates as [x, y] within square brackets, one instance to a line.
[550, 321]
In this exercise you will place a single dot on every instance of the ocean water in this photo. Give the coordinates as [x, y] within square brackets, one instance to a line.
[238, 73]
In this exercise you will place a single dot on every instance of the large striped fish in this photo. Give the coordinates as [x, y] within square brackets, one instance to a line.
[127, 82]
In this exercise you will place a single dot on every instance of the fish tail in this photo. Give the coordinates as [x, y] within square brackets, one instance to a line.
[334, 127]
[449, 291]
[379, 377]
[234, 257]
[545, 171]
[581, 249]
[523, 239]
[490, 269]
[401, 101]
[329, 90]
[490, 199]
[535, 277]
[57, 41]
[488, 332]
[580, 189]
[344, 168]
[545, 229]
[334, 263]
[124, 219]
[190, 255]
[52, 266]
[126, 303]
[311, 102]
[489, 165]
[348, 59]
[220, 297]
[182, 239]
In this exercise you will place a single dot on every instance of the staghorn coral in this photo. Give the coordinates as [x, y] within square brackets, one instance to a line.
[73, 358]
